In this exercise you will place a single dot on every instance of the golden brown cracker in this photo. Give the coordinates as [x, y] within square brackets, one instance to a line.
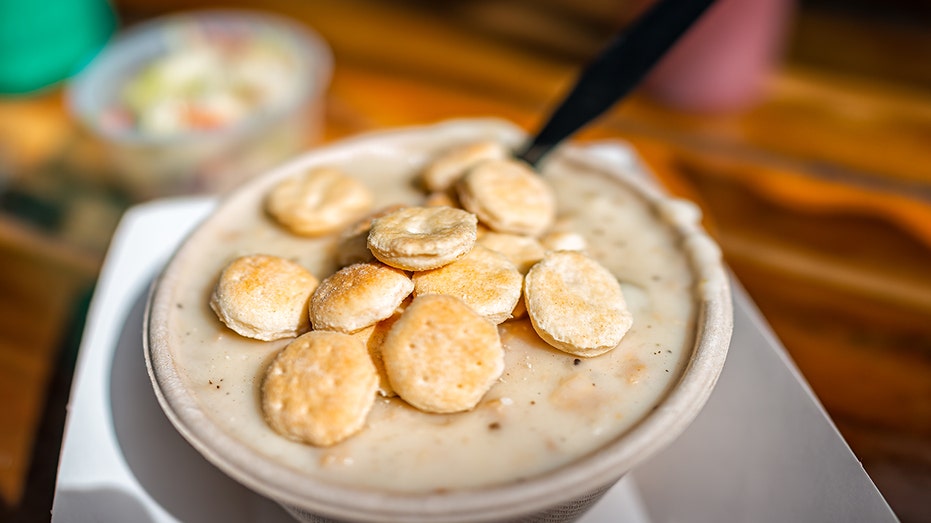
[421, 238]
[357, 296]
[318, 201]
[575, 304]
[319, 388]
[441, 356]
[264, 297]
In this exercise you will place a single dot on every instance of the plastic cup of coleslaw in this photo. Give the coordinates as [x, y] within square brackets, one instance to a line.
[198, 102]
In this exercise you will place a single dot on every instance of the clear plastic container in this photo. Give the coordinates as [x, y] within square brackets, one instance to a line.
[153, 161]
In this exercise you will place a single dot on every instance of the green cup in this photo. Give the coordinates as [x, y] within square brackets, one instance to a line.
[44, 42]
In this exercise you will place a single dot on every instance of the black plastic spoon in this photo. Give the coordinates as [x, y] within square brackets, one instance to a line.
[616, 71]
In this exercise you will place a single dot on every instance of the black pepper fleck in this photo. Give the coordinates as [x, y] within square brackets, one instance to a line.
[576, 361]
[494, 426]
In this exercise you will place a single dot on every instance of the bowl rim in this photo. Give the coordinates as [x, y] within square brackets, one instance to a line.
[309, 48]
[600, 468]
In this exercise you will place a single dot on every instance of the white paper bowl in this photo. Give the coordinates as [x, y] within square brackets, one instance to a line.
[562, 494]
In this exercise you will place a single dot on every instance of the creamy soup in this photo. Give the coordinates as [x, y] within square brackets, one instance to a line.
[547, 409]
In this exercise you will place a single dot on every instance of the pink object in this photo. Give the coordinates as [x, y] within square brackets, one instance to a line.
[723, 62]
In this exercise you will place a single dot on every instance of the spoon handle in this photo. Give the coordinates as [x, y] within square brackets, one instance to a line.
[616, 71]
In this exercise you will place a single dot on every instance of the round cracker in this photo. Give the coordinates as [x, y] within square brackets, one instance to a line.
[441, 356]
[373, 337]
[575, 304]
[358, 296]
[508, 196]
[319, 388]
[484, 279]
[264, 297]
[452, 163]
[319, 201]
[522, 250]
[421, 238]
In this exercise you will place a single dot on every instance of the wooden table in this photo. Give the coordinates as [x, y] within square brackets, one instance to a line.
[820, 196]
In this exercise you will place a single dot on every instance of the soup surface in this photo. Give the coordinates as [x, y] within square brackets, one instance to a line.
[547, 408]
